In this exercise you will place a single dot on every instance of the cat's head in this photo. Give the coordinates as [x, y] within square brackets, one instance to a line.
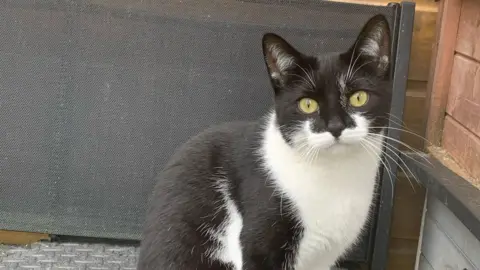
[332, 101]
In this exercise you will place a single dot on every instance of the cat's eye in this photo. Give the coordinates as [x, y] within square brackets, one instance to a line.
[359, 99]
[308, 105]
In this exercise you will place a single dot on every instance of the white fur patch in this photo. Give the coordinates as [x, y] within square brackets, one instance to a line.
[229, 249]
[372, 43]
[342, 81]
[371, 48]
[331, 191]
[283, 61]
[383, 62]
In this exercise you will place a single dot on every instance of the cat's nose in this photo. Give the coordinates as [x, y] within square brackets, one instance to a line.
[335, 127]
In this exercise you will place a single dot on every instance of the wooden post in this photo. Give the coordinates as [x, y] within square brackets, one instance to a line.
[441, 68]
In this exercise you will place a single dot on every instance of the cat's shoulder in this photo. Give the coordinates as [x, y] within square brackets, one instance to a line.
[227, 131]
[218, 140]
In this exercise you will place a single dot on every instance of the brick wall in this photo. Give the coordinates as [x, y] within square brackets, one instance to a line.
[461, 132]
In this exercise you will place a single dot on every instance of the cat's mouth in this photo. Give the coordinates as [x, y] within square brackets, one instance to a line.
[325, 140]
[335, 144]
[339, 147]
[312, 145]
[349, 139]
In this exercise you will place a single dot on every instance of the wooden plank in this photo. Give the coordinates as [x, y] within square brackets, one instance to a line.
[414, 115]
[408, 210]
[420, 5]
[439, 251]
[464, 148]
[439, 79]
[401, 254]
[464, 97]
[21, 238]
[468, 40]
[454, 229]
[422, 42]
[446, 159]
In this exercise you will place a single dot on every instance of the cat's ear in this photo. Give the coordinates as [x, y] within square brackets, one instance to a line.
[372, 47]
[280, 57]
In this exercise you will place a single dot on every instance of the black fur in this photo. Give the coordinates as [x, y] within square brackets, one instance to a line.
[185, 200]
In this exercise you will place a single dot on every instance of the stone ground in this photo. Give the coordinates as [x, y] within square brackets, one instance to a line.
[73, 256]
[53, 256]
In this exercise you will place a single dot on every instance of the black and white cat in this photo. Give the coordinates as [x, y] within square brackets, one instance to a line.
[290, 191]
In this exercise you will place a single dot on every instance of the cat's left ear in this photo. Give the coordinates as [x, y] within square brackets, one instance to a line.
[372, 47]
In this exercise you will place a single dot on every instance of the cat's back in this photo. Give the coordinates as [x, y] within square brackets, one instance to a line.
[217, 146]
[203, 159]
[188, 205]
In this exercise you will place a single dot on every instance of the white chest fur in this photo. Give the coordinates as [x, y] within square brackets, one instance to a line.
[331, 197]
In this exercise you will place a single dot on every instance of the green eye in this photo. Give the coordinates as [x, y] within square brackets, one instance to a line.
[308, 105]
[359, 99]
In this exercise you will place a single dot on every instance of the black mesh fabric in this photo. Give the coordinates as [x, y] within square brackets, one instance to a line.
[96, 95]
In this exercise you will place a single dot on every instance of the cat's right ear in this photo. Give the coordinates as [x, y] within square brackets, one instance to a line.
[281, 59]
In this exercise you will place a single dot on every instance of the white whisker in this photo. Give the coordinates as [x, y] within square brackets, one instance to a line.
[396, 162]
[406, 131]
[350, 66]
[366, 63]
[302, 79]
[402, 143]
[387, 168]
[306, 74]
[356, 59]
[353, 134]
